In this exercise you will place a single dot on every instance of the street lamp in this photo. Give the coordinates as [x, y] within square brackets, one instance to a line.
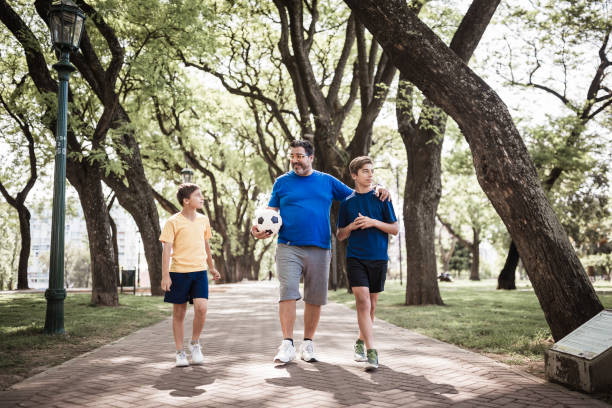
[67, 23]
[187, 174]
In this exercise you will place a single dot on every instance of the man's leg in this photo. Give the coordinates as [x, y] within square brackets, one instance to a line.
[312, 313]
[178, 317]
[316, 276]
[365, 314]
[286, 314]
[200, 306]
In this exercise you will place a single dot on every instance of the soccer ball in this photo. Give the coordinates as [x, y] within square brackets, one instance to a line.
[268, 220]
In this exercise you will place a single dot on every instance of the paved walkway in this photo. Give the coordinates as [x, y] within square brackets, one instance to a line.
[240, 340]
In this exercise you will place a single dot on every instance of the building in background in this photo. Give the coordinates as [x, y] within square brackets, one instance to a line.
[131, 254]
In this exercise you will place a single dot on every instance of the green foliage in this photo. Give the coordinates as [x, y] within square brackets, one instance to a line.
[582, 202]
[463, 202]
[600, 264]
[461, 259]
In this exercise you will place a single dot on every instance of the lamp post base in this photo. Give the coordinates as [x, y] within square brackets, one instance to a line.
[54, 320]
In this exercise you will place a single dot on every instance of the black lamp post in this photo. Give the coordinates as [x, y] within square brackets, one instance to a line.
[187, 174]
[67, 23]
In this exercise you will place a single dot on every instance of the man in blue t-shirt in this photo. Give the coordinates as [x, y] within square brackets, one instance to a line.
[366, 222]
[303, 197]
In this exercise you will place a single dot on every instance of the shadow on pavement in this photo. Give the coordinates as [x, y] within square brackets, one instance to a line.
[185, 381]
[349, 388]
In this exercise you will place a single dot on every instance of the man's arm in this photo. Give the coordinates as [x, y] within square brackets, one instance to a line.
[166, 282]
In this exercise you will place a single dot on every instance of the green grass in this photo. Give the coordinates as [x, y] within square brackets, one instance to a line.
[25, 350]
[476, 316]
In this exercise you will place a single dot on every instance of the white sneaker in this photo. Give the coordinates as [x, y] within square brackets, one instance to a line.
[286, 352]
[307, 351]
[196, 353]
[181, 359]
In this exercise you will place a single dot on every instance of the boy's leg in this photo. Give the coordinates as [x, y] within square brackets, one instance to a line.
[364, 314]
[178, 317]
[373, 302]
[198, 295]
[200, 306]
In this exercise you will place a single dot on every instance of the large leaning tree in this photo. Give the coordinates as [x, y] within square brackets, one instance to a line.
[572, 38]
[503, 166]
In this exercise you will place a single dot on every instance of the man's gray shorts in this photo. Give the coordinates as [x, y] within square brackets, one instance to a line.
[310, 261]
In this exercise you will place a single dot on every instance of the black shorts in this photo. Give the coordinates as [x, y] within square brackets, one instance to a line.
[363, 272]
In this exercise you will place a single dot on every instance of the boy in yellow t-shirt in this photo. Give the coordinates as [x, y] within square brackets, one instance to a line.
[185, 239]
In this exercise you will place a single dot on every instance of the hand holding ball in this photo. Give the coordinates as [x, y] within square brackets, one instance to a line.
[267, 220]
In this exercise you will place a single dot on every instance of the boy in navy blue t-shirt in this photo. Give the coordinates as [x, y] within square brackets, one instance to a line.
[366, 222]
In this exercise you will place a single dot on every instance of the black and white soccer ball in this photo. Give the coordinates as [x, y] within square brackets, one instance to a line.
[268, 220]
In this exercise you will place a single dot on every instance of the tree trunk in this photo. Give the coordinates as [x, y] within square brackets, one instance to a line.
[503, 165]
[113, 227]
[341, 278]
[137, 199]
[86, 179]
[507, 276]
[475, 248]
[422, 195]
[24, 253]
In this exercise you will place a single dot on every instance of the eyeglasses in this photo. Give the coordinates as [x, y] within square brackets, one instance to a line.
[298, 156]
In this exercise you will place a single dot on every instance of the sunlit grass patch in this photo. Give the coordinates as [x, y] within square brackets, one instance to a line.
[26, 350]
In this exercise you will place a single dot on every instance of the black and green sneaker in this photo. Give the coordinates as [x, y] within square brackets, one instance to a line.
[360, 354]
[372, 363]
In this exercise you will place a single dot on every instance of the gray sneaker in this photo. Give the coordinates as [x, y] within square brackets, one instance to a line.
[372, 363]
[360, 354]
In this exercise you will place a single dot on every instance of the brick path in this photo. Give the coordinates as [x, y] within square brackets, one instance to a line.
[240, 340]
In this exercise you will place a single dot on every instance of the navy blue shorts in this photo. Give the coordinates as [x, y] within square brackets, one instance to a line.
[363, 272]
[187, 286]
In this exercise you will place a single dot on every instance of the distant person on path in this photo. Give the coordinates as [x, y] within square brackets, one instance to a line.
[366, 222]
[303, 197]
[185, 239]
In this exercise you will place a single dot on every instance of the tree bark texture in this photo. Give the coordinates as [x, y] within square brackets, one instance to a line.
[422, 194]
[507, 276]
[502, 163]
[475, 248]
[87, 181]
